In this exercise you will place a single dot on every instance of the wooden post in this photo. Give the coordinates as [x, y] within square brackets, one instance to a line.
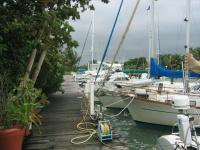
[87, 89]
[91, 98]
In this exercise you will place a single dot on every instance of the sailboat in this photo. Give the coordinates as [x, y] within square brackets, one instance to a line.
[154, 104]
[91, 72]
[116, 86]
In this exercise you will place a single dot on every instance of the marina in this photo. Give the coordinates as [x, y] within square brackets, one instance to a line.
[137, 135]
[131, 82]
[59, 125]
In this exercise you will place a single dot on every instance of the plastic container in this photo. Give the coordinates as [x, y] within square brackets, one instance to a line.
[11, 139]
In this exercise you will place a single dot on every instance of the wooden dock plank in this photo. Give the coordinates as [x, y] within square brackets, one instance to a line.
[59, 124]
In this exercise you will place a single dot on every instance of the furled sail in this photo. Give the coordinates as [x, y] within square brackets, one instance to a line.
[158, 71]
[191, 63]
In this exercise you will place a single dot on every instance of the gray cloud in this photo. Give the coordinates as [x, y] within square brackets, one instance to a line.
[170, 15]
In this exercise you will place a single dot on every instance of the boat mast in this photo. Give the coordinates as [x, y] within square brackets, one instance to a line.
[157, 36]
[187, 46]
[151, 36]
[92, 45]
[153, 51]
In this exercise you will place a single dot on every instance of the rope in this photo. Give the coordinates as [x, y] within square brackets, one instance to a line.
[121, 110]
[122, 40]
[108, 43]
[117, 102]
[88, 131]
[85, 130]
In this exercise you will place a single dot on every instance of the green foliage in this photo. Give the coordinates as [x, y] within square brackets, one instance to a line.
[51, 75]
[173, 62]
[22, 105]
[41, 24]
[71, 59]
[196, 52]
[136, 63]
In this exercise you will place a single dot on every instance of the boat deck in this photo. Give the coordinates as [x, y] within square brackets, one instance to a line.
[59, 121]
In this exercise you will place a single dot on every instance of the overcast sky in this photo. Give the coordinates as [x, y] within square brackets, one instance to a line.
[169, 15]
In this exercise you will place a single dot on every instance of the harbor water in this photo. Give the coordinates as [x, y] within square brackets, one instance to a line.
[137, 136]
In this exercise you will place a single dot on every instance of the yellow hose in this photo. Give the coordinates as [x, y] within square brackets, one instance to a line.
[88, 131]
[105, 129]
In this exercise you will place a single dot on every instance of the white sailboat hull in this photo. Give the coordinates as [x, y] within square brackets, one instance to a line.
[157, 112]
[136, 83]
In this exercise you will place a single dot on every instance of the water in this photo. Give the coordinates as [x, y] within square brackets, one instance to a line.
[137, 136]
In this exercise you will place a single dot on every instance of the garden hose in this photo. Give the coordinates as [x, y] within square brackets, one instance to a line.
[105, 128]
[90, 132]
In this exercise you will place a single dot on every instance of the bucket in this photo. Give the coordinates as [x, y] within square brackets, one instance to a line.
[11, 139]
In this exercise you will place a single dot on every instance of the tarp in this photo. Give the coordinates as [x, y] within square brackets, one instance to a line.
[81, 69]
[158, 71]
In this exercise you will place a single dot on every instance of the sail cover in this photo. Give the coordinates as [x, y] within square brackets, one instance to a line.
[158, 71]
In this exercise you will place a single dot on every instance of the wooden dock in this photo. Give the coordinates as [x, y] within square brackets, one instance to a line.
[59, 121]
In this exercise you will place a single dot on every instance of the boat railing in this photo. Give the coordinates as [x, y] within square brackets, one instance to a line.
[168, 91]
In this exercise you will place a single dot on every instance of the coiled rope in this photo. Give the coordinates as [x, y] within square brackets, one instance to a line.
[90, 132]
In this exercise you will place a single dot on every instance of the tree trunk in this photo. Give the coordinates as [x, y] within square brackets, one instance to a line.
[39, 65]
[30, 63]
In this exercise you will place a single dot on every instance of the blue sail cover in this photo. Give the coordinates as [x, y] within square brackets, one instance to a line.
[157, 71]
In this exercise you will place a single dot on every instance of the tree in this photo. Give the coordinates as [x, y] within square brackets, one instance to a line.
[28, 25]
[51, 75]
[136, 63]
[173, 62]
[71, 59]
[196, 52]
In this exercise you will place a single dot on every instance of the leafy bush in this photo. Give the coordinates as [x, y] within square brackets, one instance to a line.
[22, 105]
[51, 74]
